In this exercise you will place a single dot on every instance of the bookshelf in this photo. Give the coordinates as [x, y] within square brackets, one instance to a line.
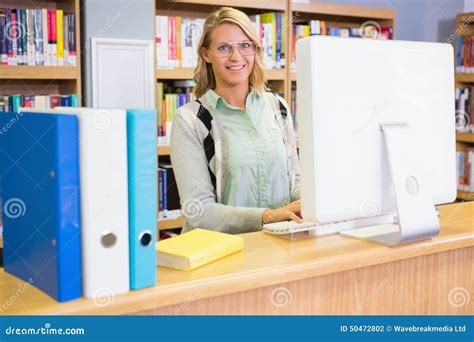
[343, 16]
[280, 80]
[464, 141]
[26, 80]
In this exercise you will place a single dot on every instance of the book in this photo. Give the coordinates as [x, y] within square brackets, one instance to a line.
[38, 36]
[3, 38]
[72, 39]
[19, 34]
[465, 169]
[196, 248]
[465, 54]
[12, 34]
[59, 37]
[45, 29]
[30, 34]
[53, 37]
[65, 39]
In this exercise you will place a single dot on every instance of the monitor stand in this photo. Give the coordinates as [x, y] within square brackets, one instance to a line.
[417, 214]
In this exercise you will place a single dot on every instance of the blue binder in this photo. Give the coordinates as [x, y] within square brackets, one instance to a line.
[40, 191]
[142, 196]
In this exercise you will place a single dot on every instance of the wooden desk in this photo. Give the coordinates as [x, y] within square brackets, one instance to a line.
[328, 275]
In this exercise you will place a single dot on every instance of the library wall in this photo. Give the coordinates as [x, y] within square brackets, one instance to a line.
[468, 6]
[113, 19]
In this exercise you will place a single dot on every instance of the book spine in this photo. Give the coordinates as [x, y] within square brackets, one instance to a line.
[163, 119]
[159, 95]
[17, 37]
[59, 38]
[31, 37]
[72, 40]
[3, 37]
[45, 30]
[54, 46]
[55, 101]
[466, 171]
[8, 103]
[24, 36]
[278, 39]
[65, 100]
[160, 192]
[165, 193]
[29, 101]
[50, 38]
[175, 42]
[16, 103]
[471, 169]
[161, 42]
[38, 34]
[74, 100]
[13, 34]
[170, 42]
[186, 43]
[66, 38]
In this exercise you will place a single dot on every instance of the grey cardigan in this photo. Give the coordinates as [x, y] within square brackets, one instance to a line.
[202, 204]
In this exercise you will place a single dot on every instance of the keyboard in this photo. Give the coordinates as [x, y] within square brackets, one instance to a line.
[325, 228]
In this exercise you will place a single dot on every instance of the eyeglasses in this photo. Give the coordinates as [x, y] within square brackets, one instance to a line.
[246, 48]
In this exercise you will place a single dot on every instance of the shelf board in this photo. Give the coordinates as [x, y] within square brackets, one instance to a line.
[465, 195]
[465, 77]
[170, 223]
[340, 10]
[175, 74]
[163, 150]
[276, 5]
[275, 74]
[188, 74]
[38, 72]
[465, 137]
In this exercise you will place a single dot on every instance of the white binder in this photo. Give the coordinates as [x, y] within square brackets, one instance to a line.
[104, 199]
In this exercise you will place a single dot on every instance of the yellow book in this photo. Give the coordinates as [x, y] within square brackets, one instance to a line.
[306, 31]
[270, 18]
[60, 36]
[196, 248]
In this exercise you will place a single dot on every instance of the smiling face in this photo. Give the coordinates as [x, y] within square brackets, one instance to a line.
[234, 69]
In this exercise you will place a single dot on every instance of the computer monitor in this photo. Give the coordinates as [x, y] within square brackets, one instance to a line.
[376, 128]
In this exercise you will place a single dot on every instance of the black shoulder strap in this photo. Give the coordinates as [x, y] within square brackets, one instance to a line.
[283, 110]
[209, 148]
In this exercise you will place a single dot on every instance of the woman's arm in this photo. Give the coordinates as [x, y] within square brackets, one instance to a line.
[196, 191]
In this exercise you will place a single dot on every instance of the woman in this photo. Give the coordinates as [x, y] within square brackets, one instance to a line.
[233, 150]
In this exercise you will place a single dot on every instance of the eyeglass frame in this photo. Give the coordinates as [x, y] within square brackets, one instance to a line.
[238, 48]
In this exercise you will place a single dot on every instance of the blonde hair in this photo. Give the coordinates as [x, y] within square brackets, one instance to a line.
[203, 74]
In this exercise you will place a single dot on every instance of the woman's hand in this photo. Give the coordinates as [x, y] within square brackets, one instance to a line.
[291, 211]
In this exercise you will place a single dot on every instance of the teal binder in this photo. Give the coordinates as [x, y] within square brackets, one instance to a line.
[142, 196]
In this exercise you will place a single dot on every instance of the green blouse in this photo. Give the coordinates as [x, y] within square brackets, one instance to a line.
[258, 175]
